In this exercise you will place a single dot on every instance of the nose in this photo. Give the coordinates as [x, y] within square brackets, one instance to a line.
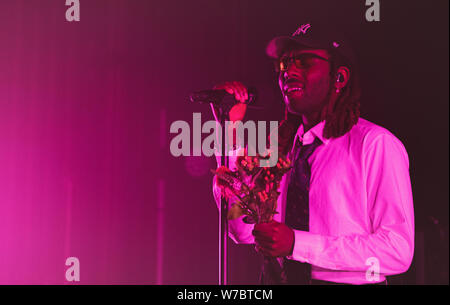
[291, 72]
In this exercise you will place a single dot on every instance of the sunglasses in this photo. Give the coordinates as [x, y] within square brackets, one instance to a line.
[301, 61]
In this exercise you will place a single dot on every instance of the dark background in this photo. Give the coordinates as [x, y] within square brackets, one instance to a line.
[86, 109]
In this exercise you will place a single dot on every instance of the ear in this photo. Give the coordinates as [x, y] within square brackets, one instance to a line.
[345, 76]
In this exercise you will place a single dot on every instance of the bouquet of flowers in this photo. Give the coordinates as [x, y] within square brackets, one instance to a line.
[254, 188]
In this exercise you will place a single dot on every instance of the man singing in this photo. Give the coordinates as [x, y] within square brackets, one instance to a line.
[345, 212]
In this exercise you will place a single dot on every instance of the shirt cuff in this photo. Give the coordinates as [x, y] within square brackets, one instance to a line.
[306, 246]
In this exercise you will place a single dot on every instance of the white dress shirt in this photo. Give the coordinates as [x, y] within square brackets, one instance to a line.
[361, 218]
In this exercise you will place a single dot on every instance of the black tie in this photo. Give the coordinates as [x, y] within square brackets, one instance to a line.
[297, 217]
[297, 208]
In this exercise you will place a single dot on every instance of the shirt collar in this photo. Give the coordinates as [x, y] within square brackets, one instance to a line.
[310, 135]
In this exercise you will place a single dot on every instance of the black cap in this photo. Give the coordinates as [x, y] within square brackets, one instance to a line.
[315, 37]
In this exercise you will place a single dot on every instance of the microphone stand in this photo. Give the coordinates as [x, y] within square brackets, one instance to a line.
[223, 110]
[223, 211]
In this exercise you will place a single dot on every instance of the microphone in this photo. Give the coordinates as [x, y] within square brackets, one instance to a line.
[220, 97]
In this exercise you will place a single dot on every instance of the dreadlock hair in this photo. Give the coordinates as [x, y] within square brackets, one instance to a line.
[343, 113]
[340, 114]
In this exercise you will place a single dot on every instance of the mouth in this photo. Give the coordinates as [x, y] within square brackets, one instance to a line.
[288, 89]
[291, 86]
[292, 89]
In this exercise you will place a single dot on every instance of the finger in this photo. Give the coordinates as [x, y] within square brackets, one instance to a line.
[244, 92]
[265, 227]
[238, 97]
[262, 229]
[265, 244]
[229, 89]
[264, 241]
[265, 251]
[227, 86]
[240, 89]
[262, 237]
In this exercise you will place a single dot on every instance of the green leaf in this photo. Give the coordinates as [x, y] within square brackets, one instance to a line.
[235, 212]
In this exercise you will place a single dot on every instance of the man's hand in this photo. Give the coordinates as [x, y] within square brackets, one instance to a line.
[240, 92]
[274, 238]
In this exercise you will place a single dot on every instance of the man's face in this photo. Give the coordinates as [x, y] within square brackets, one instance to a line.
[305, 88]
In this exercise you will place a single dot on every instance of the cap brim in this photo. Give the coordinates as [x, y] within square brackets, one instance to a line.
[278, 45]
